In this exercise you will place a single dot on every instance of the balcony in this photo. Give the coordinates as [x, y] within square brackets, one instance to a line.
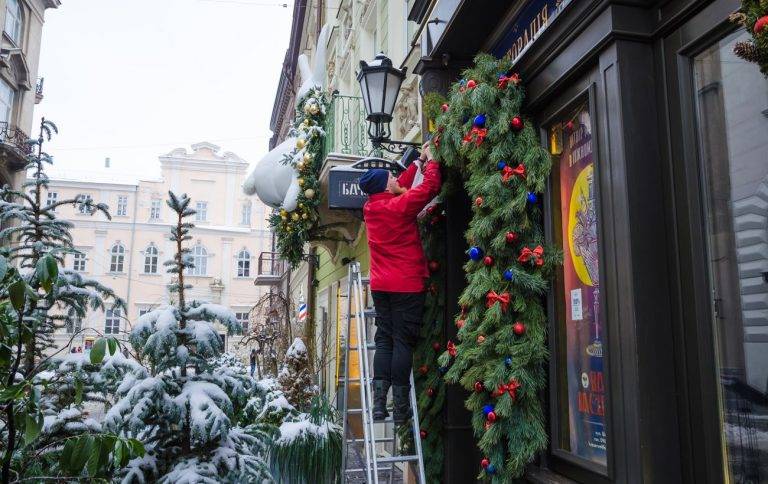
[270, 270]
[346, 128]
[14, 146]
[39, 90]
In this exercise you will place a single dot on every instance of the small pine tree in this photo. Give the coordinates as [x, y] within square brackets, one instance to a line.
[185, 407]
[295, 377]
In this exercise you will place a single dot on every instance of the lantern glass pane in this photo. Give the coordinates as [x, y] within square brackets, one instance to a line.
[375, 82]
[365, 93]
[393, 88]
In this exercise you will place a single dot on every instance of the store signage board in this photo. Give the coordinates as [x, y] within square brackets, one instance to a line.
[530, 22]
[344, 188]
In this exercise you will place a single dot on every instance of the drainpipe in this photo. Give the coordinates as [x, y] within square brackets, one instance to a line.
[311, 297]
[131, 251]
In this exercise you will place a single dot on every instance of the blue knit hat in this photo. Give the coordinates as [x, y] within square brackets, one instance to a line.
[374, 181]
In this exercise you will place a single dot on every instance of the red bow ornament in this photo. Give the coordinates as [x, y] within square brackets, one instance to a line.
[476, 135]
[510, 388]
[451, 348]
[492, 298]
[527, 255]
[509, 172]
[504, 80]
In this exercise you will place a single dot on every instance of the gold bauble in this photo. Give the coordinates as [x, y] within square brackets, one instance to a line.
[314, 109]
[282, 211]
[300, 165]
[284, 217]
[306, 108]
[300, 143]
[294, 216]
[304, 216]
[309, 193]
[300, 181]
[306, 122]
[307, 157]
[301, 205]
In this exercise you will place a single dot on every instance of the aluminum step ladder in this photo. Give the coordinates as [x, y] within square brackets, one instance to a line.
[373, 457]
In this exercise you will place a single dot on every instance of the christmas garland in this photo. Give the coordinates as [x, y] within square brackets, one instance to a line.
[501, 351]
[753, 15]
[295, 228]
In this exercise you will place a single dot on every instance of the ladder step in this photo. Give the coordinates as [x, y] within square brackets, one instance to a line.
[367, 313]
[358, 441]
[397, 458]
[365, 280]
[369, 346]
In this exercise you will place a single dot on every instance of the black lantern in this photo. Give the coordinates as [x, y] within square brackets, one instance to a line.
[380, 84]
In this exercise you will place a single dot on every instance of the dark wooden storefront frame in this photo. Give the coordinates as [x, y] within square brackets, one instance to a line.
[632, 61]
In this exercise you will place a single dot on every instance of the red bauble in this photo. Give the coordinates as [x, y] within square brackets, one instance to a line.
[423, 434]
[517, 123]
[488, 260]
[479, 387]
[431, 209]
[423, 369]
[761, 24]
[436, 346]
[430, 392]
[481, 339]
[511, 237]
[491, 417]
[485, 463]
[519, 328]
[569, 125]
[479, 201]
[471, 84]
[444, 107]
[460, 323]
[434, 266]
[435, 220]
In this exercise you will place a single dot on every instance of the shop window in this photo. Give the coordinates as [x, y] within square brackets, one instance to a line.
[731, 98]
[578, 385]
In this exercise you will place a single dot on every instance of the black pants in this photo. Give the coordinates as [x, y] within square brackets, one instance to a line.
[398, 324]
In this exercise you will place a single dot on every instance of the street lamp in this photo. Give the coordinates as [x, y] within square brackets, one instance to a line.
[380, 84]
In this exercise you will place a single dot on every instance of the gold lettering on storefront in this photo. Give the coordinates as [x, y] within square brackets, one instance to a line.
[537, 24]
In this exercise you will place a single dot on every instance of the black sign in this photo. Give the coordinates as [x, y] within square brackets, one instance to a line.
[343, 188]
[532, 19]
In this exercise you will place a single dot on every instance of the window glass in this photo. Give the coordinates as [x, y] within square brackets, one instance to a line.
[246, 218]
[200, 261]
[579, 386]
[150, 260]
[13, 21]
[78, 262]
[73, 325]
[83, 203]
[112, 321]
[732, 108]
[201, 214]
[6, 101]
[154, 209]
[51, 198]
[243, 264]
[122, 205]
[117, 258]
[242, 318]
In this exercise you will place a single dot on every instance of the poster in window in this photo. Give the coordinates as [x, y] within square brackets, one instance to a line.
[581, 271]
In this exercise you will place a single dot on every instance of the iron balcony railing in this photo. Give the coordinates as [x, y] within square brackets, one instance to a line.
[346, 127]
[39, 86]
[270, 269]
[13, 137]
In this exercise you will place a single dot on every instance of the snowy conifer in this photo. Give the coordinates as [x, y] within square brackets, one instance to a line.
[295, 377]
[185, 407]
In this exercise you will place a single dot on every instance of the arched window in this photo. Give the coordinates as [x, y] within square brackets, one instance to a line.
[200, 260]
[243, 263]
[117, 258]
[14, 22]
[150, 260]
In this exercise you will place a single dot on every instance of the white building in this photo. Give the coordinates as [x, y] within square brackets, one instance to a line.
[127, 252]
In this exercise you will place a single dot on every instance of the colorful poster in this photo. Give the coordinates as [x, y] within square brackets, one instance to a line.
[584, 352]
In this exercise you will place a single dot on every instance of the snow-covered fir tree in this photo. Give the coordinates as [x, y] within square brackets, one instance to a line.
[295, 377]
[184, 408]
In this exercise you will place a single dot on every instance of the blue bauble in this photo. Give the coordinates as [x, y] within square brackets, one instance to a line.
[508, 361]
[531, 197]
[465, 119]
[491, 469]
[488, 409]
[443, 370]
[475, 253]
[501, 165]
[479, 120]
[462, 82]
[508, 275]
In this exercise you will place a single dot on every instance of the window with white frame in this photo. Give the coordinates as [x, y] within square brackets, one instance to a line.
[51, 198]
[243, 263]
[150, 260]
[122, 205]
[117, 258]
[112, 321]
[201, 209]
[154, 209]
[14, 22]
[73, 325]
[7, 94]
[78, 262]
[143, 311]
[83, 201]
[242, 318]
[246, 214]
[200, 260]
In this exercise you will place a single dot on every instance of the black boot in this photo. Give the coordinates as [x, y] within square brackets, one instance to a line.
[380, 390]
[402, 403]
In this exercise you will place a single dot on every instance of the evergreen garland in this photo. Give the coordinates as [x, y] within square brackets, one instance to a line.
[753, 15]
[295, 228]
[501, 350]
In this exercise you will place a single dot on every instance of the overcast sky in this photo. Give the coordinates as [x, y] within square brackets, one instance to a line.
[131, 80]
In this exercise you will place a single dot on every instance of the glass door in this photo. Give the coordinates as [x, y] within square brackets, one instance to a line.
[731, 105]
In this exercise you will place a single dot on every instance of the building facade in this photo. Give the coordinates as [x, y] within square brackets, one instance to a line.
[127, 252]
[20, 87]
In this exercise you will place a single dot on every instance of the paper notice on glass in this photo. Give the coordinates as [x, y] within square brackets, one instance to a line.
[576, 309]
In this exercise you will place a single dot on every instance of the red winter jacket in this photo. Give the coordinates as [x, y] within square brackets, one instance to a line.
[397, 258]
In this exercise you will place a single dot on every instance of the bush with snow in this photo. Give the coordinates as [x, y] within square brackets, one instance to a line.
[295, 377]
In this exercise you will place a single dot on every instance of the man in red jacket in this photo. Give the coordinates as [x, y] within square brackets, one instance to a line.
[398, 273]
